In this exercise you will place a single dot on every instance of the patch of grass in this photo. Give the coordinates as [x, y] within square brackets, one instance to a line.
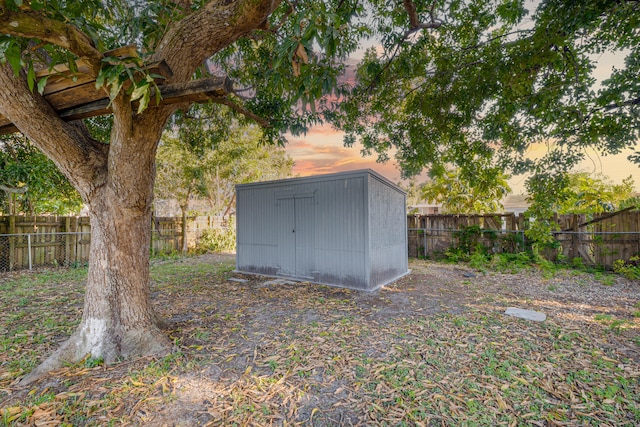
[606, 279]
[92, 362]
[614, 325]
[314, 355]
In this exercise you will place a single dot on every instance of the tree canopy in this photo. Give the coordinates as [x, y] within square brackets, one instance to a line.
[447, 82]
[588, 193]
[495, 79]
[189, 168]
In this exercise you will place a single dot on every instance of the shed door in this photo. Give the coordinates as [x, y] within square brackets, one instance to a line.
[296, 240]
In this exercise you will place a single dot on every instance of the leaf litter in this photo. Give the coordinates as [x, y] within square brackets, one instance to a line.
[431, 349]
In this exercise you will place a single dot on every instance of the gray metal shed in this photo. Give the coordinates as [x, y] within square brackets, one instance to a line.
[345, 229]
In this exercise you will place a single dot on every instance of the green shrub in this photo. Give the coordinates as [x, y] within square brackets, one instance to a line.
[218, 239]
[479, 260]
[577, 263]
[630, 270]
[456, 255]
[512, 263]
[512, 242]
[468, 238]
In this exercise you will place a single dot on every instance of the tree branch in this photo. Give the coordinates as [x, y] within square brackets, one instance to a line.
[415, 25]
[32, 25]
[501, 36]
[14, 190]
[627, 103]
[414, 19]
[79, 157]
[242, 110]
[274, 29]
[201, 34]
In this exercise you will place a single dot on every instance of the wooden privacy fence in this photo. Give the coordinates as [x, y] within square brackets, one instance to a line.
[27, 242]
[428, 234]
[605, 238]
[600, 240]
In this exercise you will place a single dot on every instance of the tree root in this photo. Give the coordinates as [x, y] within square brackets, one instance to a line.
[133, 343]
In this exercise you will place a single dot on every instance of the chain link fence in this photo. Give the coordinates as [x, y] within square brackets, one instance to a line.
[29, 251]
[36, 250]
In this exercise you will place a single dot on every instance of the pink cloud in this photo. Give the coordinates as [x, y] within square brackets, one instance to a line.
[322, 151]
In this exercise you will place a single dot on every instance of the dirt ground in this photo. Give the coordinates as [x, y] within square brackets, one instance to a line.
[571, 299]
[433, 348]
[435, 287]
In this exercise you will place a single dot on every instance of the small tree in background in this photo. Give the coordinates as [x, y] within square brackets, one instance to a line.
[32, 183]
[240, 159]
[595, 193]
[208, 169]
[460, 194]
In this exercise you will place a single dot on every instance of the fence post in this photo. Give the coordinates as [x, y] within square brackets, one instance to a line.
[575, 237]
[153, 232]
[424, 234]
[12, 241]
[29, 251]
[67, 241]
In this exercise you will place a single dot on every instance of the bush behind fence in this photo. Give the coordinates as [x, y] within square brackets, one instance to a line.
[601, 240]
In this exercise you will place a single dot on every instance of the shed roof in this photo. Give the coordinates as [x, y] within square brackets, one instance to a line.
[323, 177]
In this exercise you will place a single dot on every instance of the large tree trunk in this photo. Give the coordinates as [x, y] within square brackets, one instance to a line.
[118, 320]
[116, 179]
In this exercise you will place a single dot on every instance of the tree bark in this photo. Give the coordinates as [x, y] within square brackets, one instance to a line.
[118, 320]
[116, 182]
[199, 35]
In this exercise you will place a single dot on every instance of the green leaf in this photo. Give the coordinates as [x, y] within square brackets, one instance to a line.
[13, 55]
[100, 79]
[144, 102]
[156, 76]
[31, 76]
[115, 89]
[139, 90]
[71, 61]
[42, 83]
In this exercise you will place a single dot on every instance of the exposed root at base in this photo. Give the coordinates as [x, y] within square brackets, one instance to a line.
[136, 343]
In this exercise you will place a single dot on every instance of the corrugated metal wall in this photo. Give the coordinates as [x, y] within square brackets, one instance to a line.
[341, 226]
[318, 229]
[257, 232]
[388, 231]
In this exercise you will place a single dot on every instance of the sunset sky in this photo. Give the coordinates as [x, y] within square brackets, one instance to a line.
[322, 151]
